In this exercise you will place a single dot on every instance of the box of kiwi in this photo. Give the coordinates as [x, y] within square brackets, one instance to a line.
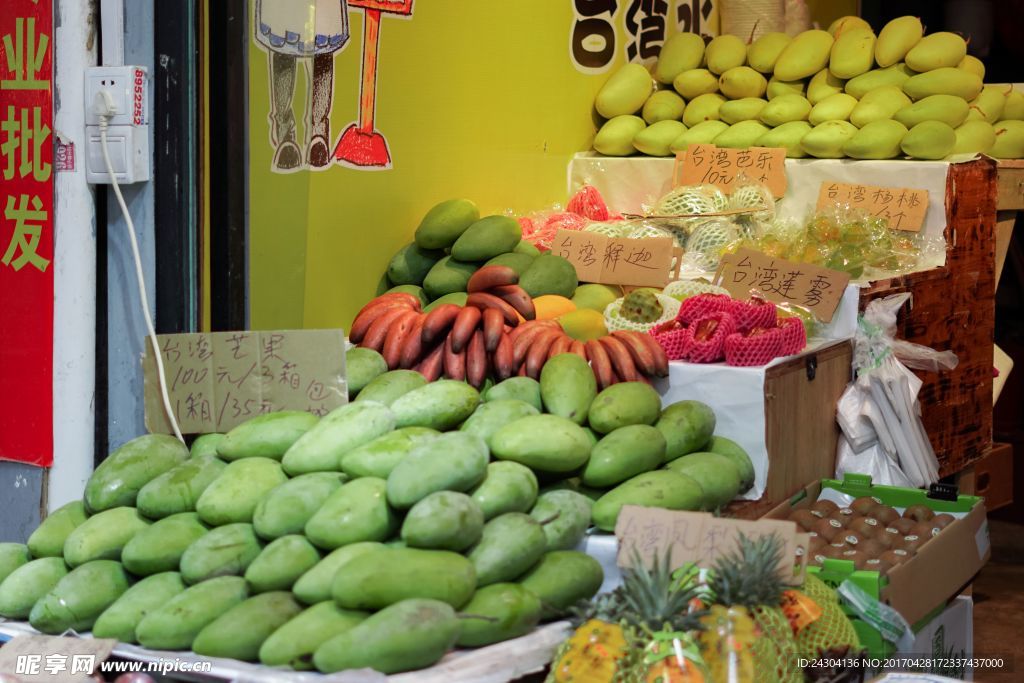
[909, 548]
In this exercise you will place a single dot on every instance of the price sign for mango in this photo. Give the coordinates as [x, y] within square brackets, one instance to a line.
[904, 207]
[721, 167]
[643, 262]
[780, 281]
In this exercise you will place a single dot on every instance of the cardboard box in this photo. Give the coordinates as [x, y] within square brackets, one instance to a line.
[991, 477]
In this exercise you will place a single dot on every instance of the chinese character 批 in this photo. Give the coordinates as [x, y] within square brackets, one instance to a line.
[24, 135]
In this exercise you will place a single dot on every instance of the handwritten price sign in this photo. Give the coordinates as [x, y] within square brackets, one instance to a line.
[643, 262]
[721, 166]
[217, 381]
[904, 207]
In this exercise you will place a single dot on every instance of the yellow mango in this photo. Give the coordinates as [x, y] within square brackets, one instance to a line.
[853, 53]
[1014, 109]
[929, 140]
[777, 88]
[988, 105]
[744, 109]
[663, 105]
[1009, 140]
[763, 52]
[896, 74]
[877, 140]
[846, 24]
[826, 140]
[787, 136]
[937, 50]
[681, 52]
[701, 134]
[949, 109]
[742, 81]
[702, 108]
[615, 139]
[974, 137]
[654, 140]
[695, 82]
[896, 39]
[625, 92]
[741, 135]
[805, 55]
[725, 52]
[946, 80]
[833, 108]
[878, 104]
[973, 65]
[784, 109]
[824, 84]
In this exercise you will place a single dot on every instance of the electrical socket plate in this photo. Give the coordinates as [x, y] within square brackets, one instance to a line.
[128, 128]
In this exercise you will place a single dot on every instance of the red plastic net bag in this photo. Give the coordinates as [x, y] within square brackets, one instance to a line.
[589, 203]
[708, 335]
[673, 338]
[794, 335]
[758, 349]
[753, 314]
[544, 234]
[702, 305]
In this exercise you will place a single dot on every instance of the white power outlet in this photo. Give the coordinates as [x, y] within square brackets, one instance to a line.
[127, 127]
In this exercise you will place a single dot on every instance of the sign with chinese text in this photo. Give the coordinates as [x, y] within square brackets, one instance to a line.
[904, 207]
[645, 262]
[54, 659]
[219, 380]
[702, 538]
[721, 166]
[26, 232]
[812, 287]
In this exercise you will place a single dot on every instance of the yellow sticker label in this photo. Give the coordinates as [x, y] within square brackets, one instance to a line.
[800, 609]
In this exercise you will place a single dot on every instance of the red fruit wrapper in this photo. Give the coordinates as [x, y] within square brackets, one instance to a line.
[675, 341]
[697, 307]
[708, 335]
[794, 335]
[759, 349]
[544, 235]
[756, 313]
[589, 203]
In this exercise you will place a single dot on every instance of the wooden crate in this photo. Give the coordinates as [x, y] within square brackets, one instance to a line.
[953, 307]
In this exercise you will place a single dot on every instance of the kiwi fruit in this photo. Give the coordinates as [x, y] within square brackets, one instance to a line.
[844, 515]
[878, 564]
[858, 557]
[904, 525]
[942, 520]
[889, 536]
[885, 514]
[926, 530]
[912, 543]
[828, 529]
[871, 547]
[824, 507]
[918, 513]
[852, 538]
[866, 526]
[816, 544]
[895, 556]
[804, 518]
[865, 504]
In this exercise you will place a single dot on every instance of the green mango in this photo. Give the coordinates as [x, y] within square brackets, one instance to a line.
[379, 457]
[120, 620]
[266, 436]
[411, 264]
[543, 442]
[664, 105]
[549, 274]
[293, 644]
[445, 223]
[1013, 110]
[896, 39]
[511, 543]
[785, 108]
[680, 52]
[206, 445]
[225, 551]
[1009, 140]
[623, 454]
[564, 516]
[787, 136]
[876, 140]
[175, 625]
[444, 520]
[358, 511]
[741, 135]
[491, 416]
[315, 585]
[661, 488]
[654, 140]
[615, 137]
[879, 105]
[973, 65]
[79, 598]
[846, 24]
[498, 612]
[739, 457]
[340, 431]
[625, 92]
[693, 83]
[987, 106]
[725, 52]
[507, 487]
[946, 108]
[525, 389]
[824, 84]
[742, 81]
[487, 238]
[972, 137]
[764, 52]
[381, 578]
[826, 140]
[515, 261]
[178, 490]
[159, 547]
[929, 140]
[853, 53]
[805, 55]
[457, 298]
[562, 578]
[937, 50]
[12, 556]
[232, 497]
[703, 108]
[409, 635]
[288, 506]
[686, 426]
[778, 87]
[947, 80]
[102, 536]
[745, 109]
[701, 134]
[595, 297]
[451, 462]
[116, 482]
[24, 586]
[441, 405]
[281, 564]
[362, 366]
[448, 277]
[622, 404]
[837, 107]
[527, 248]
[717, 475]
[895, 75]
[49, 537]
[241, 631]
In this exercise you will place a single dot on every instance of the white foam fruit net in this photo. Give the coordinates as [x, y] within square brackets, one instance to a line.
[684, 289]
[614, 320]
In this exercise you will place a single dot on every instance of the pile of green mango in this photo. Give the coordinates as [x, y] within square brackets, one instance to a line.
[452, 242]
[844, 92]
[381, 535]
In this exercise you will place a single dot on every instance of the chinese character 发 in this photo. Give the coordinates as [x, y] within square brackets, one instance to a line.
[26, 236]
[818, 286]
[25, 57]
[612, 254]
[25, 133]
[645, 23]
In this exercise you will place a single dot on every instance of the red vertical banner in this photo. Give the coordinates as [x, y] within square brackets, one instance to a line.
[26, 231]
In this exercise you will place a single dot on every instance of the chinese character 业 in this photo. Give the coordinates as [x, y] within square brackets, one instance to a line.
[26, 233]
[25, 134]
[645, 23]
[25, 57]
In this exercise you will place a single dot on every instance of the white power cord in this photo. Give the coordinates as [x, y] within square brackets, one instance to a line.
[106, 108]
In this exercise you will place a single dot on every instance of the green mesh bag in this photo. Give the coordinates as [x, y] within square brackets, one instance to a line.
[832, 629]
[710, 238]
[644, 230]
[608, 229]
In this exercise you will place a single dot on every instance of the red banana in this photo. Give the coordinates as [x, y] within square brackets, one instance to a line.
[561, 345]
[489, 277]
[521, 343]
[377, 334]
[413, 347]
[657, 352]
[465, 325]
[433, 363]
[438, 322]
[578, 348]
[503, 366]
[454, 363]
[622, 360]
[369, 315]
[494, 328]
[538, 354]
[641, 353]
[516, 297]
[476, 360]
[600, 363]
[396, 337]
[485, 300]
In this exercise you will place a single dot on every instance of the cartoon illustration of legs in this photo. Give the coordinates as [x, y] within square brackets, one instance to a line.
[287, 155]
[319, 152]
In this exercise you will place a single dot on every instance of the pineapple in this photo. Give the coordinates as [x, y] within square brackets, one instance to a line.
[748, 638]
[624, 631]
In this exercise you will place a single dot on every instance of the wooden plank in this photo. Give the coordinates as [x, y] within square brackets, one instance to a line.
[1011, 185]
[1005, 221]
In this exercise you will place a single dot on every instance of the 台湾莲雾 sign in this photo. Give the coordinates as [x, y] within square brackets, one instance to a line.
[26, 232]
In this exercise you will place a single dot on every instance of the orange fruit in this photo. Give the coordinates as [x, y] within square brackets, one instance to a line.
[550, 306]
